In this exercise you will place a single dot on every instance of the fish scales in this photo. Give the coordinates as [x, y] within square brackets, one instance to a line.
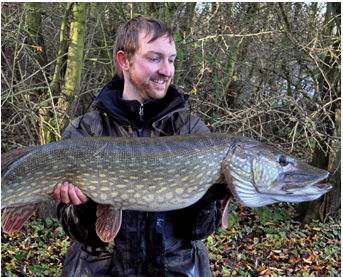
[153, 174]
[150, 174]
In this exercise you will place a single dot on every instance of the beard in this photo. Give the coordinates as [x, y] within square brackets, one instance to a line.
[144, 90]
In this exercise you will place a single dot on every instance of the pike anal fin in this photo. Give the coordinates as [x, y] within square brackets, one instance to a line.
[13, 218]
[226, 209]
[108, 222]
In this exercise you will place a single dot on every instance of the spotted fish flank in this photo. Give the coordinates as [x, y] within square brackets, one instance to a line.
[152, 174]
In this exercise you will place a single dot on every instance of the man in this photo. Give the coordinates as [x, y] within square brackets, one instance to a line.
[140, 102]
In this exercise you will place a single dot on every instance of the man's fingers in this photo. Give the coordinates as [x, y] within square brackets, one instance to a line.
[84, 198]
[76, 195]
[65, 193]
[57, 193]
[72, 194]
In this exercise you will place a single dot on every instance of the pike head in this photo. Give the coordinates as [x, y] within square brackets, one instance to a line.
[259, 175]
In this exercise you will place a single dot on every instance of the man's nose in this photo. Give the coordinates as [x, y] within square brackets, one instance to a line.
[166, 69]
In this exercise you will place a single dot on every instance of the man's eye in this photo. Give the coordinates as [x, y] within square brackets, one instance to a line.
[154, 59]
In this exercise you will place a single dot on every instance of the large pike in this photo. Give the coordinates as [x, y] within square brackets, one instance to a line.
[153, 174]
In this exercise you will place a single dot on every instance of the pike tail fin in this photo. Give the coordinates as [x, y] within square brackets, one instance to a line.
[13, 218]
[108, 222]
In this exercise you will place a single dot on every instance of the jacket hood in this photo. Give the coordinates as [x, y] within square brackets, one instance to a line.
[110, 102]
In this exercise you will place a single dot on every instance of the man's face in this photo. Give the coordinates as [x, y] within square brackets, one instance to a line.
[151, 69]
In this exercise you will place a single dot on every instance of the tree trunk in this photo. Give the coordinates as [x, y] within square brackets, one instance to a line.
[330, 203]
[335, 166]
[55, 84]
[310, 210]
[72, 81]
[33, 20]
[72, 85]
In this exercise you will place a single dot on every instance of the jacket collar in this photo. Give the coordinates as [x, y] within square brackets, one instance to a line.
[110, 101]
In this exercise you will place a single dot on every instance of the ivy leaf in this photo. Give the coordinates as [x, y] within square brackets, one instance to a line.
[209, 59]
[178, 37]
[232, 219]
[179, 54]
[197, 58]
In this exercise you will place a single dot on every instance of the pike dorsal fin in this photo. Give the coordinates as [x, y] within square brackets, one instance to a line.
[108, 222]
[13, 218]
[10, 157]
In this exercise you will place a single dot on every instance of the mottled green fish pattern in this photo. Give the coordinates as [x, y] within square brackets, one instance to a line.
[152, 174]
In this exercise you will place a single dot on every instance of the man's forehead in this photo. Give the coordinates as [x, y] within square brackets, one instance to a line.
[145, 38]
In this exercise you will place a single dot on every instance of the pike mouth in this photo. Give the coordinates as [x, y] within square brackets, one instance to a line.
[298, 182]
[323, 186]
[308, 193]
[293, 188]
[250, 197]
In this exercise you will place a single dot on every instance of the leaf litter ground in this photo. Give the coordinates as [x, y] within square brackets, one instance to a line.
[265, 241]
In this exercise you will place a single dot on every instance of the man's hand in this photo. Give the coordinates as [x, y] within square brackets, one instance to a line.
[67, 193]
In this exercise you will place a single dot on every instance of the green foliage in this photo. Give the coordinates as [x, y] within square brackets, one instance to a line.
[179, 54]
[35, 250]
[48, 222]
[197, 58]
[264, 214]
[232, 219]
[209, 59]
[177, 37]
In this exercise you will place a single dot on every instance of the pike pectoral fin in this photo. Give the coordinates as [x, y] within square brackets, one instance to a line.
[108, 222]
[13, 218]
[226, 209]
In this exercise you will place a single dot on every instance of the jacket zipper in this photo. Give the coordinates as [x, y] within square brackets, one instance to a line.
[140, 130]
[141, 112]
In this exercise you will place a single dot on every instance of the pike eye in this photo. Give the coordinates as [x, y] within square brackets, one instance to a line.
[283, 161]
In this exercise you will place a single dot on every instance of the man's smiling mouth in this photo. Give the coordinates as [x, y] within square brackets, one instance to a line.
[158, 81]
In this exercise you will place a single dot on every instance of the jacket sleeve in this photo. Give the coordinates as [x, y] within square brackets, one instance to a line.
[190, 124]
[201, 219]
[77, 221]
[88, 125]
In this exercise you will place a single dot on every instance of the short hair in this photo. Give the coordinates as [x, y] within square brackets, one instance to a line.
[127, 38]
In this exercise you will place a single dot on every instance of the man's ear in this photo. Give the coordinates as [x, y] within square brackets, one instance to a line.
[123, 61]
